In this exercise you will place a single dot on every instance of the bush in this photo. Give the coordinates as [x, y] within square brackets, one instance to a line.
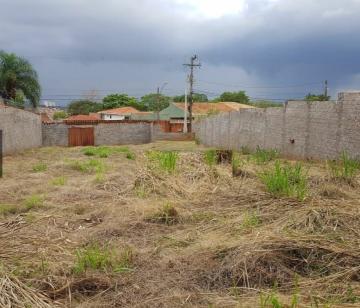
[345, 168]
[286, 181]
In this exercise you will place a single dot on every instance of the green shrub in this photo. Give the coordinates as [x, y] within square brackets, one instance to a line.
[60, 181]
[236, 164]
[39, 167]
[59, 115]
[104, 152]
[286, 180]
[130, 155]
[166, 161]
[88, 166]
[262, 156]
[210, 157]
[103, 259]
[345, 168]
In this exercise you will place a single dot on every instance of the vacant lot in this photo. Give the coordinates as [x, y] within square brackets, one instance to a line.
[174, 224]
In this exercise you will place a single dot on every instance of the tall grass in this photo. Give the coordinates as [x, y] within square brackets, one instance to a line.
[166, 161]
[345, 168]
[236, 164]
[262, 156]
[39, 167]
[210, 157]
[286, 180]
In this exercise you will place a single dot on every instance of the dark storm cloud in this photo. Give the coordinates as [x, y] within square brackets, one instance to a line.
[138, 44]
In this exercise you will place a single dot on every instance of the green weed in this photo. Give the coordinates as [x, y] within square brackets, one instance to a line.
[99, 178]
[33, 201]
[210, 157]
[236, 164]
[130, 155]
[250, 220]
[104, 151]
[245, 150]
[88, 166]
[9, 209]
[59, 181]
[39, 167]
[166, 161]
[103, 259]
[262, 156]
[345, 168]
[286, 180]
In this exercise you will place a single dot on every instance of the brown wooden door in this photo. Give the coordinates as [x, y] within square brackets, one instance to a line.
[81, 136]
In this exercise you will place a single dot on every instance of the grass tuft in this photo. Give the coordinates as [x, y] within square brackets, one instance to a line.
[89, 166]
[167, 215]
[9, 209]
[262, 156]
[210, 157]
[59, 181]
[103, 259]
[286, 180]
[166, 161]
[33, 201]
[39, 167]
[344, 169]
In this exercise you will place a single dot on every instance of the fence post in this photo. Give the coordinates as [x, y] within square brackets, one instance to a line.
[1, 153]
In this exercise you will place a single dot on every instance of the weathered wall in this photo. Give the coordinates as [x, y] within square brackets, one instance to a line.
[21, 129]
[118, 133]
[55, 134]
[300, 129]
[158, 134]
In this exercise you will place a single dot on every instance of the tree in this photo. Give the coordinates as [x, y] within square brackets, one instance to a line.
[83, 107]
[58, 115]
[238, 97]
[155, 102]
[18, 76]
[316, 98]
[120, 100]
[198, 98]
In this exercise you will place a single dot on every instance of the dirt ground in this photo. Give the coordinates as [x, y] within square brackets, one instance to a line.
[194, 237]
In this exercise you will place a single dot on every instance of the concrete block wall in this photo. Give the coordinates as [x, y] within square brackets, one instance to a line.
[55, 135]
[118, 133]
[319, 130]
[21, 130]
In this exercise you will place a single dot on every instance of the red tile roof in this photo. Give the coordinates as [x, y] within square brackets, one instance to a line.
[204, 108]
[120, 111]
[81, 117]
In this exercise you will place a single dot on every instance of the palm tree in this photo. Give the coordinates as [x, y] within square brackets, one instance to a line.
[18, 76]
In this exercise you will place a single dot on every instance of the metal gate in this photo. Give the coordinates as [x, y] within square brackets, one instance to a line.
[81, 136]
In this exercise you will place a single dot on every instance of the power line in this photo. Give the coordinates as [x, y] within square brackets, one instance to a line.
[262, 87]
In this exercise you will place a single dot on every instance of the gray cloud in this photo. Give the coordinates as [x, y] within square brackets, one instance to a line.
[133, 46]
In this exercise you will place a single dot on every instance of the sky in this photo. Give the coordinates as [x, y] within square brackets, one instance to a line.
[272, 49]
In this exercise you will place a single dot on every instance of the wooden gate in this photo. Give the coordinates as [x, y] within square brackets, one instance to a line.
[81, 136]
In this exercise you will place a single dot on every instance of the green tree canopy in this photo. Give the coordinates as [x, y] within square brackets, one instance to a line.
[238, 97]
[121, 100]
[18, 75]
[58, 115]
[155, 102]
[316, 98]
[197, 98]
[83, 107]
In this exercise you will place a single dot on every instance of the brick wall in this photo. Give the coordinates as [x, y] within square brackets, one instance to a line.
[21, 129]
[55, 134]
[300, 129]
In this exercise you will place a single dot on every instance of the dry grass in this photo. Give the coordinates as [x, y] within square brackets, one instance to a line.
[195, 237]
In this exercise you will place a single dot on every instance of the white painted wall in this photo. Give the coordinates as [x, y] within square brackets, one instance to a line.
[112, 117]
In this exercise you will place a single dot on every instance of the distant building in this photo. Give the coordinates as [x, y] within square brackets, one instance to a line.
[118, 114]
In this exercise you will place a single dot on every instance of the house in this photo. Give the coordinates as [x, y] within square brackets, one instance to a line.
[176, 111]
[81, 118]
[118, 114]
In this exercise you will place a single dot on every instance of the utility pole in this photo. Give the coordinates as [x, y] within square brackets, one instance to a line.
[158, 103]
[192, 64]
[326, 89]
[185, 113]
